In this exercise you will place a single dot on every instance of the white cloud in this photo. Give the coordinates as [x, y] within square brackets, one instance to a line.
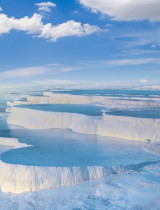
[135, 52]
[49, 69]
[140, 61]
[45, 6]
[23, 72]
[126, 10]
[105, 64]
[30, 25]
[1, 9]
[69, 28]
[34, 25]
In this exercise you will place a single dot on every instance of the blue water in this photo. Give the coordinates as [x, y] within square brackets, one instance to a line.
[113, 92]
[56, 147]
[152, 114]
[91, 110]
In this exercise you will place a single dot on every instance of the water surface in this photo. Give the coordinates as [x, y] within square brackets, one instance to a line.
[150, 114]
[91, 110]
[56, 147]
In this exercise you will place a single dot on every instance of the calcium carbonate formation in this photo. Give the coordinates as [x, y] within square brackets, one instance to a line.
[115, 126]
[21, 178]
[129, 128]
[111, 102]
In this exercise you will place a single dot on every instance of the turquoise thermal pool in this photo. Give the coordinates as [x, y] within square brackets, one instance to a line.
[150, 114]
[91, 109]
[63, 148]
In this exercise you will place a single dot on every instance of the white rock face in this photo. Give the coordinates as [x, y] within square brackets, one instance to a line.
[37, 100]
[36, 119]
[110, 102]
[15, 102]
[20, 178]
[129, 128]
[69, 99]
[12, 142]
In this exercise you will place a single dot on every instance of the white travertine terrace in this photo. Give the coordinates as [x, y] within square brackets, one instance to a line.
[21, 178]
[153, 98]
[122, 102]
[15, 102]
[12, 142]
[38, 100]
[129, 128]
[110, 102]
[37, 119]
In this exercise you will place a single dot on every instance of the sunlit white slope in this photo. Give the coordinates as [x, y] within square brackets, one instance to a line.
[129, 128]
[20, 178]
[37, 119]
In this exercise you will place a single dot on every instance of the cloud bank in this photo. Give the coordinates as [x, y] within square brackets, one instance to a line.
[126, 10]
[34, 25]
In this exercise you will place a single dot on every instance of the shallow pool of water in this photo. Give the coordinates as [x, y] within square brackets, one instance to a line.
[152, 114]
[91, 110]
[56, 147]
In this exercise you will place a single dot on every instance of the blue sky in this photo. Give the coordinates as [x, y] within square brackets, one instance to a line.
[79, 41]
